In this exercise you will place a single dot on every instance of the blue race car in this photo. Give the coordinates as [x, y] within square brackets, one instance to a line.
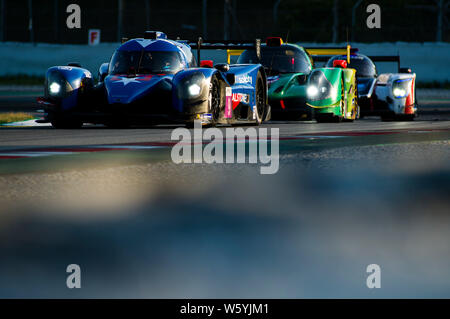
[154, 80]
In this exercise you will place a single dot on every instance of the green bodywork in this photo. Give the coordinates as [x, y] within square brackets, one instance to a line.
[288, 93]
[289, 88]
[343, 103]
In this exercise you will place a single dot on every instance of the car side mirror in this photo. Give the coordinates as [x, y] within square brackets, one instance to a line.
[74, 64]
[404, 70]
[231, 78]
[103, 71]
[223, 67]
[339, 64]
[206, 63]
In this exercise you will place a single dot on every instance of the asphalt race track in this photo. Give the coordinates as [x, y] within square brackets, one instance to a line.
[346, 195]
[433, 113]
[46, 136]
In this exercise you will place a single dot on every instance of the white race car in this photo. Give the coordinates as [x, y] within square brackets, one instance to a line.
[389, 95]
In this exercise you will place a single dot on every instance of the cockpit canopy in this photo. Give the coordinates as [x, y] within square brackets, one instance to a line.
[279, 59]
[145, 62]
[364, 67]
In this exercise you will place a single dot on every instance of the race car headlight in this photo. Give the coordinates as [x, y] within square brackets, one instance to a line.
[192, 86]
[312, 91]
[55, 88]
[401, 88]
[319, 88]
[399, 92]
[194, 89]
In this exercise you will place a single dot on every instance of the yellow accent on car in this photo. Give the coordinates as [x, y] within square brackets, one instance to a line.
[234, 52]
[324, 106]
[331, 51]
[324, 51]
[348, 53]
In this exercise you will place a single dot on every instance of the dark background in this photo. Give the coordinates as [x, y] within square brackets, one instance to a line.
[300, 20]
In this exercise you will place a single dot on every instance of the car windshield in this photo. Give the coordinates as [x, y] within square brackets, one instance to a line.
[145, 62]
[279, 60]
[363, 65]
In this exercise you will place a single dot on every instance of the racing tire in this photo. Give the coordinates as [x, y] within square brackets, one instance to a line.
[214, 103]
[215, 100]
[260, 97]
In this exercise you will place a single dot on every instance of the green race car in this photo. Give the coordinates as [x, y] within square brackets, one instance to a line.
[332, 93]
[299, 91]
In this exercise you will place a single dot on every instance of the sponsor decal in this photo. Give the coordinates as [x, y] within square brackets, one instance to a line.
[228, 103]
[243, 79]
[238, 98]
[67, 68]
[205, 118]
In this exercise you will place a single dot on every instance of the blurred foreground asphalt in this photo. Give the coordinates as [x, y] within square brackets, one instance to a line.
[154, 229]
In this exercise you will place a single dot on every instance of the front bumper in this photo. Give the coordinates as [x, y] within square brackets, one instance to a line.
[289, 108]
[141, 112]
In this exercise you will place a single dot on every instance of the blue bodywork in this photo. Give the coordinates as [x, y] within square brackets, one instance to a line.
[162, 93]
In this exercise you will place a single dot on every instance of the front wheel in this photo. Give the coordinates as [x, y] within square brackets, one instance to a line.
[260, 94]
[214, 100]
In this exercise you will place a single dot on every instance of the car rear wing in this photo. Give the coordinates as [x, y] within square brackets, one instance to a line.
[387, 58]
[323, 54]
[233, 47]
[374, 58]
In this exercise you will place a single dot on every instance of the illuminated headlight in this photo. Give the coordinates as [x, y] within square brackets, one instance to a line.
[401, 88]
[312, 91]
[55, 88]
[398, 92]
[194, 89]
[319, 88]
